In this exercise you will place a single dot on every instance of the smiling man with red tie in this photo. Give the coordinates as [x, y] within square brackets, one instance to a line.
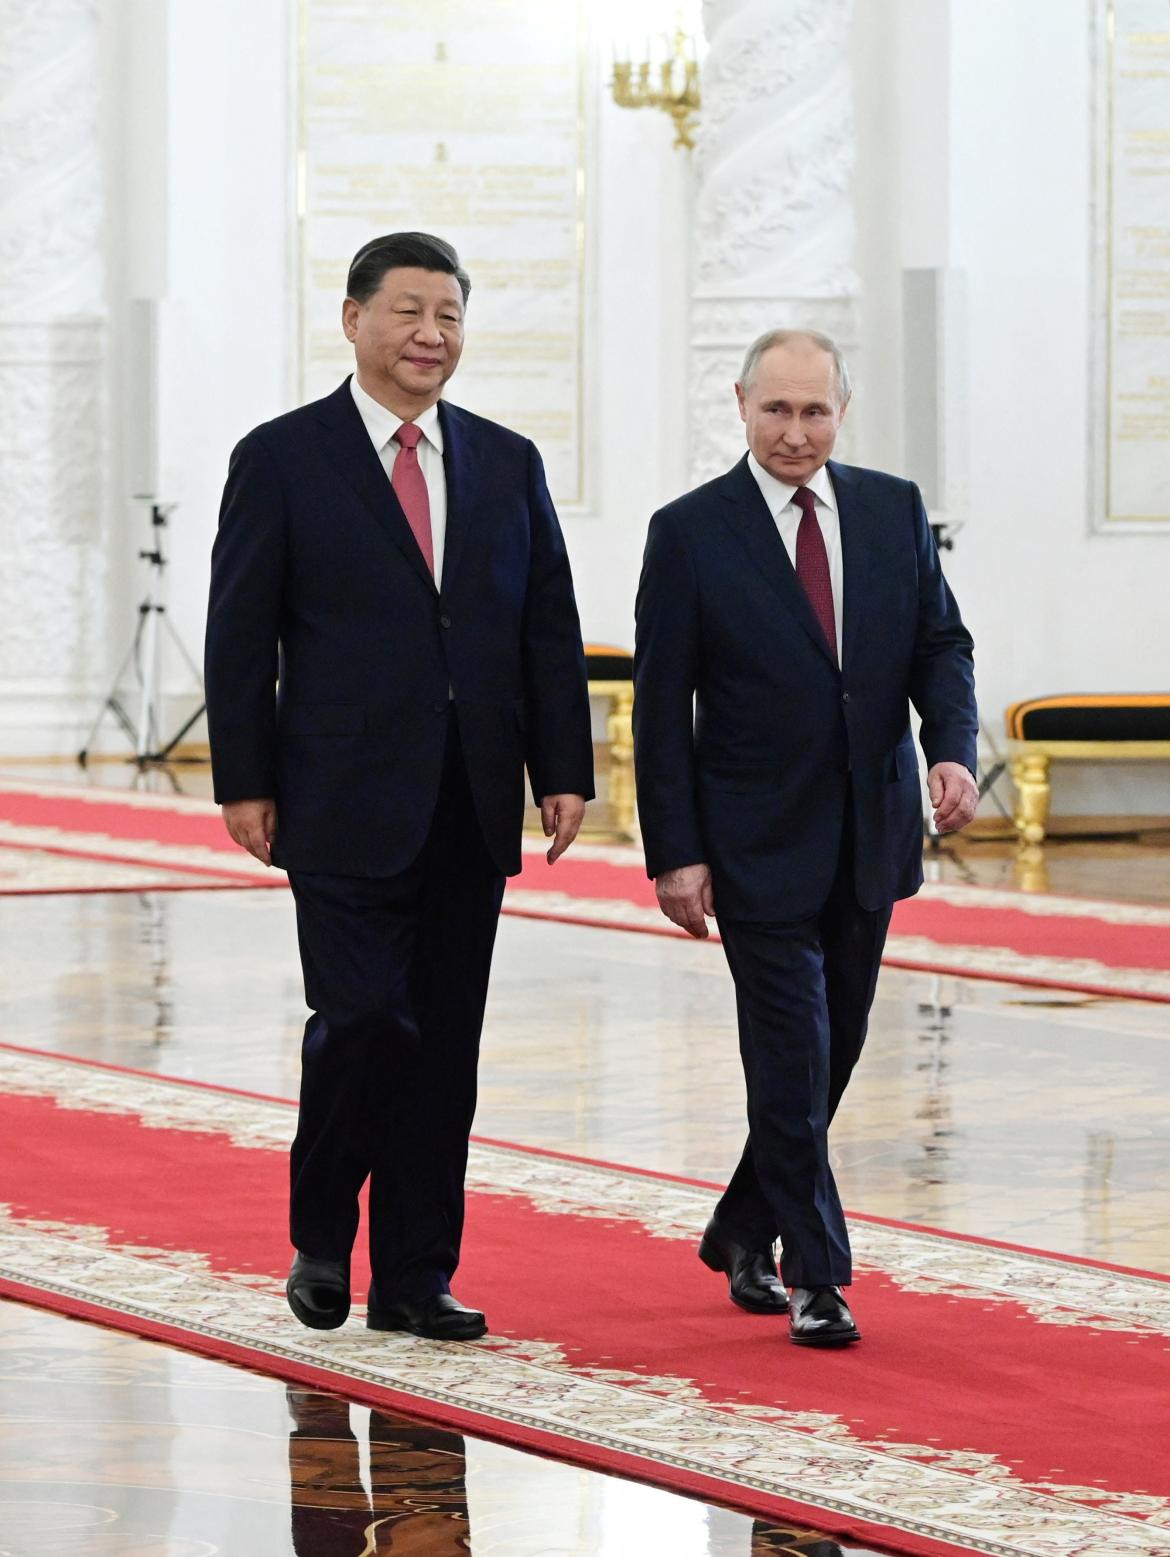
[789, 613]
[391, 637]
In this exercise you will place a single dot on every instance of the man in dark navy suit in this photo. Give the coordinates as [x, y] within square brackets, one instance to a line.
[391, 637]
[789, 613]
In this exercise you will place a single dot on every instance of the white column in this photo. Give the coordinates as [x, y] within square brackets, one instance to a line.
[773, 228]
[52, 343]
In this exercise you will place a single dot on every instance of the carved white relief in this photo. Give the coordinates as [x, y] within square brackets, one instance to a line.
[35, 31]
[775, 151]
[50, 163]
[50, 440]
[719, 321]
[53, 613]
[773, 228]
[52, 344]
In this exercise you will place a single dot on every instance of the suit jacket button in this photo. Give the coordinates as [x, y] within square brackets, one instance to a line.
[440, 708]
[444, 621]
[844, 697]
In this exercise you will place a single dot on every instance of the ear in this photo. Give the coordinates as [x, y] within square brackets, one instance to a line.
[741, 402]
[350, 311]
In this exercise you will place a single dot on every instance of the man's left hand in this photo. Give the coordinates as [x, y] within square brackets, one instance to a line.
[561, 817]
[953, 794]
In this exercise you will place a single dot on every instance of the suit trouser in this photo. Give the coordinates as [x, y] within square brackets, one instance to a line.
[396, 973]
[803, 993]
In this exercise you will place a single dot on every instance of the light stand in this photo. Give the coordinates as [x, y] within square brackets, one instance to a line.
[144, 654]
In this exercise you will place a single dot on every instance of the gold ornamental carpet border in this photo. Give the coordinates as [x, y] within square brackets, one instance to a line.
[688, 1427]
[60, 838]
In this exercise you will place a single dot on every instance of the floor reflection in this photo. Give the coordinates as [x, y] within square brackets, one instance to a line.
[768, 1540]
[933, 1110]
[155, 938]
[1019, 1114]
[416, 1500]
[402, 1487]
[113, 1446]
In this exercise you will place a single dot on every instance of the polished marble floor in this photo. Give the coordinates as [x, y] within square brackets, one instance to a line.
[115, 1447]
[1022, 1114]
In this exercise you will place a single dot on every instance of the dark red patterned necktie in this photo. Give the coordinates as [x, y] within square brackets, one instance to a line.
[410, 484]
[812, 565]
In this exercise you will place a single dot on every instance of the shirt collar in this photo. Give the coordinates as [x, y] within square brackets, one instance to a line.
[382, 424]
[778, 494]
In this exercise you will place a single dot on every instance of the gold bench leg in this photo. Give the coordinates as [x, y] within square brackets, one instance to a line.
[620, 731]
[1031, 866]
[1033, 795]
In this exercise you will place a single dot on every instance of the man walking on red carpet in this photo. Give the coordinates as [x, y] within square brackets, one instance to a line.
[789, 612]
[398, 562]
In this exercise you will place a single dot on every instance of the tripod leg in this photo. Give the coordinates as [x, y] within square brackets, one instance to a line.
[197, 675]
[164, 751]
[987, 780]
[148, 721]
[110, 703]
[161, 756]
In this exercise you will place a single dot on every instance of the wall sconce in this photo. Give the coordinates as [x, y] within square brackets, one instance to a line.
[676, 90]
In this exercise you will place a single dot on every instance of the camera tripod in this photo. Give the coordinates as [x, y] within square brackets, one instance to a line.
[144, 655]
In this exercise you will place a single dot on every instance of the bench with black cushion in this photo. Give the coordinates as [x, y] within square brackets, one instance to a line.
[1078, 727]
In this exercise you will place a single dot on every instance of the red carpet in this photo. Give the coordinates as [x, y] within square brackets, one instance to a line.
[66, 839]
[1001, 1400]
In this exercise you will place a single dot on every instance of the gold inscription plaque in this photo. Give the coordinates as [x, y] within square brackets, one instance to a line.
[1134, 143]
[467, 121]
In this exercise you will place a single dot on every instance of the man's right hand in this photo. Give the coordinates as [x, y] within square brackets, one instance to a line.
[686, 898]
[252, 824]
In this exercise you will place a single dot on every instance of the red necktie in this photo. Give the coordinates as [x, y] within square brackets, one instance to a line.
[410, 485]
[812, 565]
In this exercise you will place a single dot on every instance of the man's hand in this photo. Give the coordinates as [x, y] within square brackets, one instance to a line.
[561, 816]
[953, 795]
[685, 897]
[252, 824]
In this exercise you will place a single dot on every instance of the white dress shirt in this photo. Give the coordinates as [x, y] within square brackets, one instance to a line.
[381, 425]
[787, 513]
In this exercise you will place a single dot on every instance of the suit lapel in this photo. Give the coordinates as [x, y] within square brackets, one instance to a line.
[348, 445]
[860, 539]
[753, 526]
[461, 474]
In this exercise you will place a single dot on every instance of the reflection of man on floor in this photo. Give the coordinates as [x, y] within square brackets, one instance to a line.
[400, 561]
[789, 613]
[783, 1541]
[417, 1500]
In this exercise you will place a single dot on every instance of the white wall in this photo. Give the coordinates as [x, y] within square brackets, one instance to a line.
[1054, 607]
[637, 392]
[973, 126]
[198, 188]
[227, 333]
[54, 349]
[975, 155]
[228, 316]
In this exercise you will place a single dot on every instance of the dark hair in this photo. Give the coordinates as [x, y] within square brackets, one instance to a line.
[418, 250]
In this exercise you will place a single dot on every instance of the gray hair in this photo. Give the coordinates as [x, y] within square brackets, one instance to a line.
[771, 338]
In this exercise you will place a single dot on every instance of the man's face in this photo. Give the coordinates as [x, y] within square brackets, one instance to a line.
[792, 411]
[408, 338]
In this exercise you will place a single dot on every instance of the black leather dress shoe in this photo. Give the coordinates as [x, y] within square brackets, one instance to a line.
[438, 1318]
[318, 1291]
[751, 1273]
[819, 1316]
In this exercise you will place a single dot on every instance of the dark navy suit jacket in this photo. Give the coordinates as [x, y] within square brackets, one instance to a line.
[749, 739]
[318, 582]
